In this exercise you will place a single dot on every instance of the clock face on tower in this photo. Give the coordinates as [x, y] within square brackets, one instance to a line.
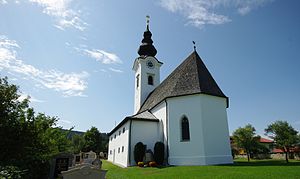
[150, 64]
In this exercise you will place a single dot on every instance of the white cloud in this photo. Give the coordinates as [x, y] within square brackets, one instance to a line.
[99, 55]
[115, 70]
[103, 56]
[202, 12]
[244, 10]
[66, 124]
[72, 84]
[31, 98]
[65, 121]
[3, 2]
[65, 16]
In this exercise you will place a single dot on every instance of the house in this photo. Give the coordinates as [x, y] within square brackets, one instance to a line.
[187, 112]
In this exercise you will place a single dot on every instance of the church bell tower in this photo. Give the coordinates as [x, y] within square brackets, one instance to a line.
[147, 70]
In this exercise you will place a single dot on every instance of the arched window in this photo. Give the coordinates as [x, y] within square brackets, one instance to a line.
[185, 129]
[150, 80]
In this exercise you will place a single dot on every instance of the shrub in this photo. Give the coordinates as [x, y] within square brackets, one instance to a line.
[152, 164]
[139, 152]
[159, 153]
[10, 172]
[141, 164]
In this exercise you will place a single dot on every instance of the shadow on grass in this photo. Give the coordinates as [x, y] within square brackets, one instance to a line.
[164, 166]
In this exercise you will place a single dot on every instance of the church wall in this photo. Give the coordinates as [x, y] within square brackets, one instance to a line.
[118, 147]
[185, 152]
[146, 132]
[216, 140]
[160, 112]
[209, 136]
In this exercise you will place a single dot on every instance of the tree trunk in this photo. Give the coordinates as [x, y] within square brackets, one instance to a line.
[287, 155]
[248, 156]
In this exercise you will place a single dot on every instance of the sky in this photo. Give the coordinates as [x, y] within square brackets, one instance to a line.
[74, 57]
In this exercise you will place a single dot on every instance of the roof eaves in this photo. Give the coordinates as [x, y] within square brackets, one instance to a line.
[132, 118]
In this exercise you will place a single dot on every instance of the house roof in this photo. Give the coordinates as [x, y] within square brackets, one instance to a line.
[264, 140]
[190, 77]
[143, 116]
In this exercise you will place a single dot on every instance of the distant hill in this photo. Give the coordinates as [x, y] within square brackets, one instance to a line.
[104, 136]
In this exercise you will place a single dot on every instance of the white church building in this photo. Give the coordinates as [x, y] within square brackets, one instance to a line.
[187, 112]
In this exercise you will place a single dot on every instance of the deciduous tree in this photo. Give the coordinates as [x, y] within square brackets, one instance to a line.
[246, 139]
[92, 139]
[28, 140]
[284, 135]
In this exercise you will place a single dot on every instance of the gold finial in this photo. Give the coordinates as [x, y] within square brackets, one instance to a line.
[147, 21]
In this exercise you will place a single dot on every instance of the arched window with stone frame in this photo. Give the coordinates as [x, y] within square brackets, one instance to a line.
[185, 129]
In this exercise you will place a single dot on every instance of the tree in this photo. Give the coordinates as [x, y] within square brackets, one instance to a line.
[245, 138]
[77, 143]
[284, 135]
[92, 139]
[28, 140]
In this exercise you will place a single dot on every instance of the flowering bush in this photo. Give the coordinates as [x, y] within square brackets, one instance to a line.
[141, 164]
[152, 164]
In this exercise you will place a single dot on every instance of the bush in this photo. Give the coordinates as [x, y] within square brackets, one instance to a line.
[159, 153]
[139, 152]
[140, 164]
[10, 172]
[152, 164]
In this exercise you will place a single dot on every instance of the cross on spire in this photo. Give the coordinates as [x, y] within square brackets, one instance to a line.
[147, 48]
[147, 21]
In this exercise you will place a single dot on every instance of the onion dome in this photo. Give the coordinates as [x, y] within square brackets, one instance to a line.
[147, 48]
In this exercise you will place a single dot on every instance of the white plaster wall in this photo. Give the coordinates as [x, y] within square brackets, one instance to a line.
[146, 132]
[209, 136]
[137, 90]
[160, 112]
[215, 130]
[120, 140]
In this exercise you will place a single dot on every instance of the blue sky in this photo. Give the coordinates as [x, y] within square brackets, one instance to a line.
[74, 57]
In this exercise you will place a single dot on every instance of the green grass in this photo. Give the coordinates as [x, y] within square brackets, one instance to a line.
[240, 169]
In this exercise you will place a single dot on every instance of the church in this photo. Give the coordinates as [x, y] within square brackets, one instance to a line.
[186, 111]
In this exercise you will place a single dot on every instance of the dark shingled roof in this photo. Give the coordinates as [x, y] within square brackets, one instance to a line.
[190, 77]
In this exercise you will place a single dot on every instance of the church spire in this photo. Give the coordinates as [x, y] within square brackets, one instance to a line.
[146, 48]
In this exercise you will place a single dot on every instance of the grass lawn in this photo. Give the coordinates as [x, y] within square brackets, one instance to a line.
[240, 169]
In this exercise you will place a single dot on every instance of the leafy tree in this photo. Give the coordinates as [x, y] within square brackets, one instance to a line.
[92, 139]
[104, 142]
[284, 135]
[78, 143]
[245, 138]
[28, 140]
